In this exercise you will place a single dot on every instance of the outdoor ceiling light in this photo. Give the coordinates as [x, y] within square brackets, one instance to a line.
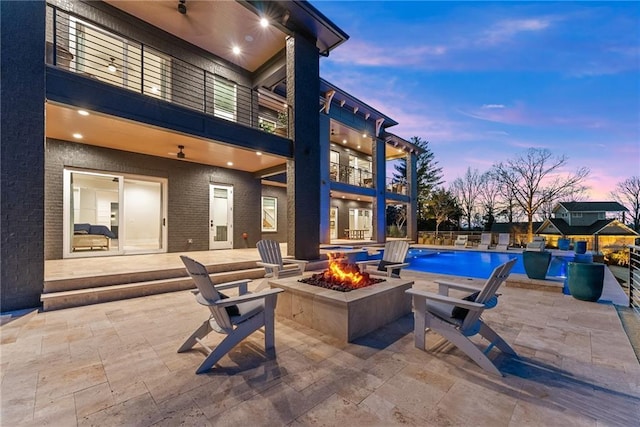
[83, 112]
[264, 22]
[235, 50]
[258, 153]
[112, 65]
[77, 135]
[344, 141]
[229, 163]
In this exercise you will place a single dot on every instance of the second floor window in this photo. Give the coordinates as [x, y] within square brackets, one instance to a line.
[224, 99]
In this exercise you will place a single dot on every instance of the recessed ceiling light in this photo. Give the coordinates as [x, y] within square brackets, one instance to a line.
[259, 153]
[83, 112]
[364, 135]
[284, 105]
[264, 22]
[344, 141]
[343, 197]
[358, 146]
[248, 38]
[399, 150]
[229, 163]
[236, 50]
[77, 135]
[358, 198]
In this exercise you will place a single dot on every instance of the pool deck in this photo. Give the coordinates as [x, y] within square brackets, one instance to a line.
[116, 364]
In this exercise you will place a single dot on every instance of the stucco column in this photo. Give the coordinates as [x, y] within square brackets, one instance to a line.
[23, 151]
[304, 170]
[412, 207]
[379, 205]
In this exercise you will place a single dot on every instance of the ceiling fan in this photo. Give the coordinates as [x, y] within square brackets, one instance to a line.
[180, 154]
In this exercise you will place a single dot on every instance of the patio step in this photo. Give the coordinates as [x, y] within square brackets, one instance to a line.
[128, 288]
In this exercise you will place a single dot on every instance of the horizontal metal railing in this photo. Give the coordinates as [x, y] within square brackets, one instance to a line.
[99, 53]
[397, 186]
[350, 175]
[634, 278]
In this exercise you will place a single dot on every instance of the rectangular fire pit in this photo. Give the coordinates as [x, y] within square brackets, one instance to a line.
[344, 315]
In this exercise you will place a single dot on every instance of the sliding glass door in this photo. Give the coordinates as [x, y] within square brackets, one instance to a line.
[113, 214]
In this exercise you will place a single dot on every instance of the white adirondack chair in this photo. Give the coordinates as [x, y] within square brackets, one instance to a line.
[485, 241]
[237, 317]
[275, 266]
[446, 316]
[393, 260]
[462, 241]
[504, 239]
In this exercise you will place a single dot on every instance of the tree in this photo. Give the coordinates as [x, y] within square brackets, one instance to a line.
[508, 206]
[467, 191]
[535, 179]
[442, 206]
[428, 173]
[489, 197]
[627, 193]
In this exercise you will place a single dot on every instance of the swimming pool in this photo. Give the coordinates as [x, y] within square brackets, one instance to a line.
[473, 263]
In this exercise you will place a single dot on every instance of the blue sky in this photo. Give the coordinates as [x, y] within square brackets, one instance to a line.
[484, 81]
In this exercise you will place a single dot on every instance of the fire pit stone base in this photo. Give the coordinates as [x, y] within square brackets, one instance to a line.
[343, 315]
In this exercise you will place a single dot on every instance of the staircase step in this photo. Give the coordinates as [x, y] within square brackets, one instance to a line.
[95, 295]
[96, 281]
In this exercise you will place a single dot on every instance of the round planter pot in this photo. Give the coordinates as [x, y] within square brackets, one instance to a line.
[536, 264]
[585, 281]
[564, 244]
[580, 246]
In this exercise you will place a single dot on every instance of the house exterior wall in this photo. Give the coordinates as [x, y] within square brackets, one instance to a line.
[583, 218]
[22, 159]
[188, 194]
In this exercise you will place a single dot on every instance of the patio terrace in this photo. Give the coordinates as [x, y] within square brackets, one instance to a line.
[116, 364]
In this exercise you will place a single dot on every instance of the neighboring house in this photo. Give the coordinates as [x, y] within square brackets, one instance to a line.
[593, 222]
[132, 127]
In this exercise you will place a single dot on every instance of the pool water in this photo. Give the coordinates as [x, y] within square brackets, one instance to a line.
[474, 263]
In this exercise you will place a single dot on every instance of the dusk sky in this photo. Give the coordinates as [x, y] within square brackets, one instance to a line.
[484, 81]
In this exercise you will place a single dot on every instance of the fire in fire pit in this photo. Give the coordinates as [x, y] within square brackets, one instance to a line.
[341, 276]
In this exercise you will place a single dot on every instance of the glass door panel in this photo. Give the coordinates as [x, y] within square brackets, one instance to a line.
[221, 217]
[143, 218]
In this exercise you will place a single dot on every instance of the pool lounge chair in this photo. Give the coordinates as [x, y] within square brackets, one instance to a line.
[237, 317]
[393, 260]
[462, 241]
[485, 241]
[458, 319]
[537, 244]
[504, 239]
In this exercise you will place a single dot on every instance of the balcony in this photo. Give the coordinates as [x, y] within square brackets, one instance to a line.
[350, 175]
[396, 186]
[96, 52]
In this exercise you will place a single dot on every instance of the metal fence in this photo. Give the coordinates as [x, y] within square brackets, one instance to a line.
[634, 278]
[98, 53]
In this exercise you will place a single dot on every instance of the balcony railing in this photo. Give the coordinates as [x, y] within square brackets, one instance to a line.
[396, 186]
[350, 175]
[98, 53]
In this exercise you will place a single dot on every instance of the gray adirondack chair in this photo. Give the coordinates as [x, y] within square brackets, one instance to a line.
[237, 317]
[395, 253]
[458, 319]
[275, 266]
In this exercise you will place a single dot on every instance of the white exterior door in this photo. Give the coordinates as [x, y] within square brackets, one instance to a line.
[220, 217]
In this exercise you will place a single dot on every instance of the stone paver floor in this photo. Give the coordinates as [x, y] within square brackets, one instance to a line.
[115, 364]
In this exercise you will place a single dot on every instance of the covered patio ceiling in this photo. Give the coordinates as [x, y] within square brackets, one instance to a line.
[63, 122]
